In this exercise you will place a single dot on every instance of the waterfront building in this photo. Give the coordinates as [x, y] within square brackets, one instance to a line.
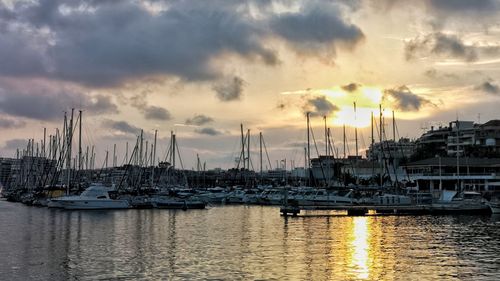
[452, 173]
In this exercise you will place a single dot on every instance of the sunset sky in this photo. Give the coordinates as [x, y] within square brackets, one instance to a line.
[200, 68]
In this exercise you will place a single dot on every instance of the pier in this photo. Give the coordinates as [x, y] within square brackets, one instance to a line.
[360, 210]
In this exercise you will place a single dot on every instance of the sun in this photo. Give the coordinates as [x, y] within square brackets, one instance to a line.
[367, 101]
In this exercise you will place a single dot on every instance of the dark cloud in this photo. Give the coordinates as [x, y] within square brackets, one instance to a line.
[101, 104]
[157, 113]
[208, 131]
[464, 5]
[488, 87]
[112, 41]
[199, 120]
[14, 144]
[402, 98]
[11, 123]
[107, 43]
[319, 106]
[444, 10]
[229, 89]
[316, 26]
[121, 127]
[48, 104]
[352, 87]
[434, 74]
[150, 112]
[42, 106]
[440, 45]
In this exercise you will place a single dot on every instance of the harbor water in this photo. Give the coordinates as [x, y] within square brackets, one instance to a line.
[243, 243]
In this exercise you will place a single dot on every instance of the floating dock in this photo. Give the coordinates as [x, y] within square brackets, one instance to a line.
[360, 210]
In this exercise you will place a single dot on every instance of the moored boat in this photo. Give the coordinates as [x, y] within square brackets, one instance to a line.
[494, 206]
[95, 196]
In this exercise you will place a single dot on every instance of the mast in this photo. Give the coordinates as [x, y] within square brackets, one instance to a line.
[306, 174]
[393, 127]
[146, 155]
[458, 157]
[372, 127]
[198, 164]
[44, 141]
[308, 141]
[329, 146]
[87, 158]
[106, 162]
[381, 124]
[69, 143]
[154, 148]
[260, 152]
[242, 146]
[80, 142]
[355, 130]
[326, 137]
[381, 146]
[126, 152]
[344, 140]
[154, 159]
[140, 149]
[92, 158]
[173, 150]
[114, 155]
[248, 149]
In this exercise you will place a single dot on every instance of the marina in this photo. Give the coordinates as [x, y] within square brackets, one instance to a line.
[250, 140]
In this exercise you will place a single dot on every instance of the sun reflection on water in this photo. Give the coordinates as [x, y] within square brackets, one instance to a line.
[360, 258]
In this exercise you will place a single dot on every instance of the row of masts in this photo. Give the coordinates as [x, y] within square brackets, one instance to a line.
[328, 140]
[245, 158]
[144, 154]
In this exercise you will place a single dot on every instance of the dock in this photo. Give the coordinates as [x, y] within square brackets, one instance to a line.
[360, 210]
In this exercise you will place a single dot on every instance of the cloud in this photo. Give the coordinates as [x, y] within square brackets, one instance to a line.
[101, 104]
[488, 87]
[150, 112]
[157, 113]
[440, 45]
[432, 73]
[49, 103]
[121, 127]
[352, 87]
[41, 106]
[319, 106]
[199, 120]
[11, 123]
[402, 98]
[14, 144]
[229, 89]
[108, 43]
[317, 26]
[484, 6]
[208, 131]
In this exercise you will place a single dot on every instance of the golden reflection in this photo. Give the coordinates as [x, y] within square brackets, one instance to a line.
[360, 258]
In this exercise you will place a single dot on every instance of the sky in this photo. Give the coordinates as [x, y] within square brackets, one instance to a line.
[202, 68]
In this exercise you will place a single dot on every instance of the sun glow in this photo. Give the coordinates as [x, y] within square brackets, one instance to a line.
[367, 101]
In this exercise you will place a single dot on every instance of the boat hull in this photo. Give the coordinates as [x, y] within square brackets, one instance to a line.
[90, 204]
[495, 208]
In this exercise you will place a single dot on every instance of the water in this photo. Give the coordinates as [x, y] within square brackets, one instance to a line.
[243, 243]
